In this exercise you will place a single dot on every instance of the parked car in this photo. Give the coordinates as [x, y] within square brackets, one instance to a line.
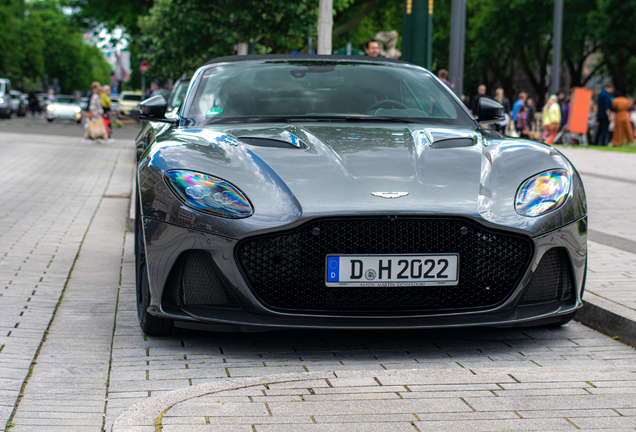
[19, 104]
[114, 99]
[5, 98]
[178, 93]
[128, 101]
[296, 191]
[64, 108]
[83, 103]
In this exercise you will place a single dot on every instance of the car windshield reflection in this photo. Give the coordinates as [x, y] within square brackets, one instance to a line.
[316, 91]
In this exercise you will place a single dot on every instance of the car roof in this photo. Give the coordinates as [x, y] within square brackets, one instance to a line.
[266, 57]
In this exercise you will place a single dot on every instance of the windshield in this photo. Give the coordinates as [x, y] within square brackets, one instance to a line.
[60, 100]
[131, 97]
[179, 93]
[327, 90]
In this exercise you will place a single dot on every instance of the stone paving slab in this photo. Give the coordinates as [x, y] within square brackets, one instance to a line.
[468, 379]
[46, 208]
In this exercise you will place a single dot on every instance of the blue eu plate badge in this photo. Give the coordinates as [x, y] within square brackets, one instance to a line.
[333, 269]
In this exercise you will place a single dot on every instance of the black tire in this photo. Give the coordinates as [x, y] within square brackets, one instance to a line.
[564, 320]
[150, 324]
[50, 120]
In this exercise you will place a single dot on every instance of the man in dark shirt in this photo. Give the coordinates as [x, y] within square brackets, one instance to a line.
[604, 103]
[481, 92]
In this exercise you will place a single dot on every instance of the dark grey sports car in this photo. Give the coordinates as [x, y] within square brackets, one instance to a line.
[348, 192]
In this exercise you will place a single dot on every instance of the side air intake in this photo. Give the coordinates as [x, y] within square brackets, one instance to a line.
[552, 281]
[194, 281]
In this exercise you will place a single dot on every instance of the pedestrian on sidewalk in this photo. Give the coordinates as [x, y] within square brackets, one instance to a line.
[551, 119]
[481, 92]
[95, 114]
[106, 105]
[518, 104]
[443, 76]
[623, 132]
[499, 97]
[34, 105]
[603, 114]
[521, 124]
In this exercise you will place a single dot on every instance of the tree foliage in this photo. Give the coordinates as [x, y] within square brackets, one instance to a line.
[180, 35]
[39, 44]
[508, 43]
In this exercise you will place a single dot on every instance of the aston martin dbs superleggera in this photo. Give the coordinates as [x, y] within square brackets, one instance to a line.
[348, 192]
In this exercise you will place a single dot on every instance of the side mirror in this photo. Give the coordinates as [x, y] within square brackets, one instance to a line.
[489, 111]
[154, 109]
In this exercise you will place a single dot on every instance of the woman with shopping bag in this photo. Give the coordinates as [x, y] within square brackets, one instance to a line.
[95, 115]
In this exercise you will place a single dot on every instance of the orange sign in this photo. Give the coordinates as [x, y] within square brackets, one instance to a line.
[579, 110]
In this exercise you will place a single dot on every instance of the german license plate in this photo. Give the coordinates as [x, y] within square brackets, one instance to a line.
[392, 270]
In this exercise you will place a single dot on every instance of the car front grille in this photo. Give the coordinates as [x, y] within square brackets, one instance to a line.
[286, 270]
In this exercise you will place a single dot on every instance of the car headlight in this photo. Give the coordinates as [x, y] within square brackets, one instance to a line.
[50, 108]
[542, 193]
[208, 194]
[77, 109]
[1, 100]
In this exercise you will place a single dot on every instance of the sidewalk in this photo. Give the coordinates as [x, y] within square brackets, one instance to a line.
[94, 369]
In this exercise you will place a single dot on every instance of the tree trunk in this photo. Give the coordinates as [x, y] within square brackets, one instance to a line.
[325, 26]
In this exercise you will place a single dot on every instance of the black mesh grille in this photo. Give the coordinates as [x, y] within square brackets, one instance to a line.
[552, 280]
[193, 281]
[286, 270]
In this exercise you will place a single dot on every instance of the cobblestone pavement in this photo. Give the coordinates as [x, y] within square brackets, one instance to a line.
[51, 188]
[96, 362]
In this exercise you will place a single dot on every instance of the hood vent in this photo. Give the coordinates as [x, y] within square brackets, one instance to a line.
[454, 142]
[269, 142]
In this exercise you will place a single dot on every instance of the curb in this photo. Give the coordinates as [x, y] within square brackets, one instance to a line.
[608, 321]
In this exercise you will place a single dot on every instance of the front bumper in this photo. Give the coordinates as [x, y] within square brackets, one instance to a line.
[166, 242]
[52, 115]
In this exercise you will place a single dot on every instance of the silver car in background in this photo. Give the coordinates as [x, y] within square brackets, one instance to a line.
[64, 108]
[5, 98]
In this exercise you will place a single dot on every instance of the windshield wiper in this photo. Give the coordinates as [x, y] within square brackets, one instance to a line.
[385, 119]
[313, 119]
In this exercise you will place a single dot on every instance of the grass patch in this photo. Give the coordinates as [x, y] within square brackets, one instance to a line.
[627, 148]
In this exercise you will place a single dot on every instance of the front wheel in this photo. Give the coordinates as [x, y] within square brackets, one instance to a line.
[150, 324]
[50, 120]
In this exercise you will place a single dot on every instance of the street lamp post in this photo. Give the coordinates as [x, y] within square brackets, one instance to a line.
[556, 45]
[325, 26]
[457, 37]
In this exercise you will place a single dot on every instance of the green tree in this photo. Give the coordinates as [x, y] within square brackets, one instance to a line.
[179, 35]
[614, 23]
[38, 43]
[110, 13]
[66, 56]
[11, 29]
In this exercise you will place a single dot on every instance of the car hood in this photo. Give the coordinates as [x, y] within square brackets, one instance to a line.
[66, 107]
[310, 170]
[345, 167]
